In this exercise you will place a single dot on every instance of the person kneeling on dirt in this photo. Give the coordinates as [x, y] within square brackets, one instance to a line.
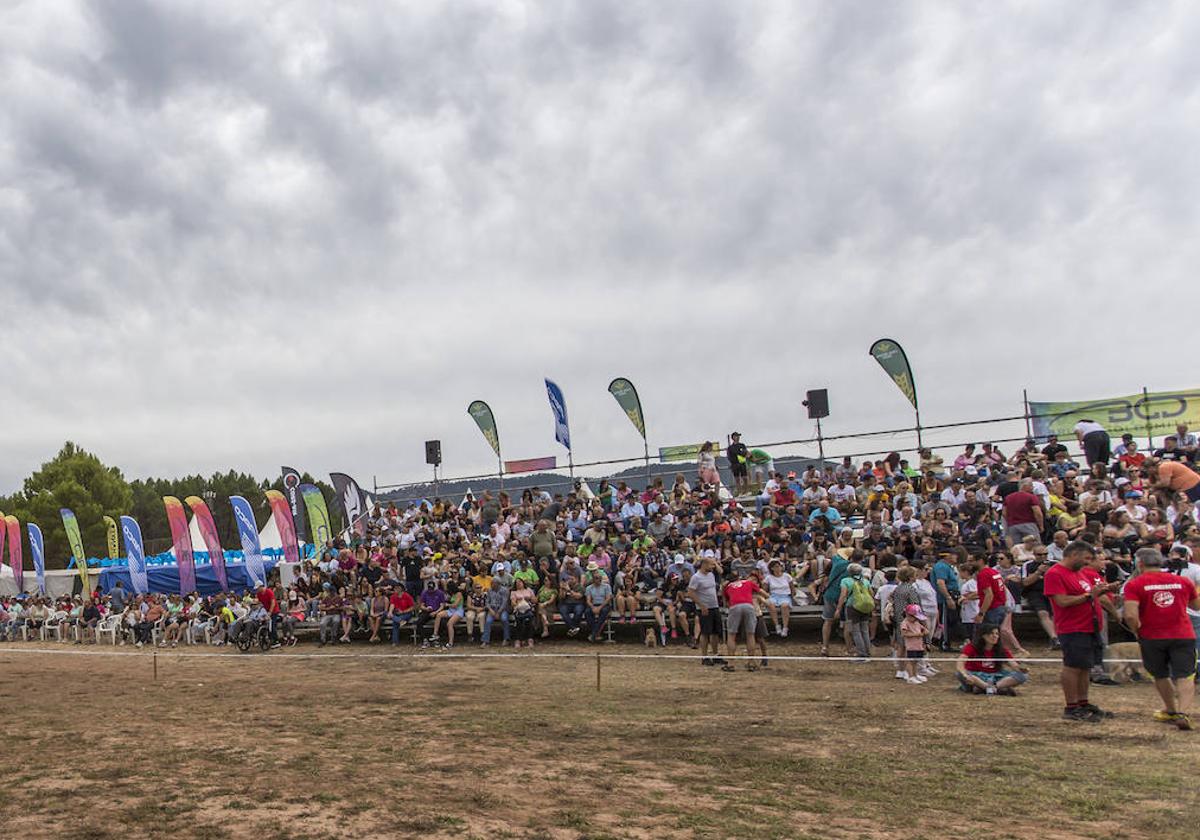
[987, 668]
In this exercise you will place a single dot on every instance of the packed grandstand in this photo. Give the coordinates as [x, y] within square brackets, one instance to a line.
[963, 539]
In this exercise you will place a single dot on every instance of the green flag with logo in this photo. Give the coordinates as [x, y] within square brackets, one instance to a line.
[892, 359]
[481, 413]
[627, 397]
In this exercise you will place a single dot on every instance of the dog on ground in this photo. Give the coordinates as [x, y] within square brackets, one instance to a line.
[1124, 672]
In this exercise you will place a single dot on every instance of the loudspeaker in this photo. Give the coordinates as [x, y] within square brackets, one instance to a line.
[433, 452]
[818, 404]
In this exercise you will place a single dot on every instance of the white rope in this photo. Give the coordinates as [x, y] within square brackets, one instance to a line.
[174, 653]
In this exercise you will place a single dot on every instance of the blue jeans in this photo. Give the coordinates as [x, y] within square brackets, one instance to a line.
[596, 622]
[572, 614]
[995, 615]
[487, 626]
[398, 621]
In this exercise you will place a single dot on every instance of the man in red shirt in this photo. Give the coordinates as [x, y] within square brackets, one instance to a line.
[266, 597]
[993, 594]
[1023, 514]
[739, 597]
[1077, 624]
[1156, 605]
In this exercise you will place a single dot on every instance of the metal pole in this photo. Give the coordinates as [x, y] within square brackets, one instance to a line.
[820, 444]
[1028, 419]
[646, 447]
[1146, 414]
[919, 444]
[435, 481]
[156, 666]
[597, 670]
[571, 464]
[500, 462]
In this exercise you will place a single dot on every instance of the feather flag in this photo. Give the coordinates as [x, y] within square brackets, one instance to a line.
[243, 514]
[208, 530]
[282, 512]
[184, 560]
[71, 525]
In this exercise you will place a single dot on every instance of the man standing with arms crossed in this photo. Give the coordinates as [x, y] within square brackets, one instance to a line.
[1156, 603]
[1077, 625]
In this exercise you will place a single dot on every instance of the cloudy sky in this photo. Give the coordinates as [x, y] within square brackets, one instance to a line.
[243, 235]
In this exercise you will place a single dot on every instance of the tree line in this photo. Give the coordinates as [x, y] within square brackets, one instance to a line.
[77, 479]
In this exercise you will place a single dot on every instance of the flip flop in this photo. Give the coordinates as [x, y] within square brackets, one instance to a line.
[728, 668]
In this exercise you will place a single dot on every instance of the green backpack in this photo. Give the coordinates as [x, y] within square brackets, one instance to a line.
[860, 597]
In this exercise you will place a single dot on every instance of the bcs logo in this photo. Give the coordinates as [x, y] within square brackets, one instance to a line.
[1163, 599]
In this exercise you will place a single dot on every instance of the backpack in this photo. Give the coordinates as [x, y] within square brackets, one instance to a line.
[860, 597]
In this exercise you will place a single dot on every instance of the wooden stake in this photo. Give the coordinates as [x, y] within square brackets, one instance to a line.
[156, 666]
[597, 670]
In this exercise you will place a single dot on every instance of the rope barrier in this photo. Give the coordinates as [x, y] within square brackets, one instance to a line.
[515, 655]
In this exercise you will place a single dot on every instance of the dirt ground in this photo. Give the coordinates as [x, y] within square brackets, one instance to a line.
[318, 745]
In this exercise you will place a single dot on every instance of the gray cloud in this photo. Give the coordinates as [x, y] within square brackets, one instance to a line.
[312, 234]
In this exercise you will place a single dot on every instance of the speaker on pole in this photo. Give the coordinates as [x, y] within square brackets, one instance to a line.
[817, 403]
[433, 452]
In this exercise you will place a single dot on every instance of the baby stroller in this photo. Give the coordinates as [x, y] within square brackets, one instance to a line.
[251, 634]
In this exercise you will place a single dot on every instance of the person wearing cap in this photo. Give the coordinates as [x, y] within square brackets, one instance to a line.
[739, 596]
[738, 456]
[1156, 604]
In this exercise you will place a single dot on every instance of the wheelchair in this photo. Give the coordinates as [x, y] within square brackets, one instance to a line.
[253, 634]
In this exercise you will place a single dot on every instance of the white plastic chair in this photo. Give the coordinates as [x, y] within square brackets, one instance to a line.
[55, 623]
[108, 626]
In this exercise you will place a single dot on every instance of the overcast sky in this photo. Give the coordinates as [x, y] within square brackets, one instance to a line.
[239, 234]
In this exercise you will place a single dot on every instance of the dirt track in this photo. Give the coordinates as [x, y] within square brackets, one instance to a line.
[280, 745]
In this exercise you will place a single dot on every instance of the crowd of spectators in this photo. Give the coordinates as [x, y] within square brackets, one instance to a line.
[917, 554]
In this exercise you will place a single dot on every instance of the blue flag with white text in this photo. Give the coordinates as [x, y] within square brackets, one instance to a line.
[558, 405]
[243, 514]
[39, 555]
[135, 551]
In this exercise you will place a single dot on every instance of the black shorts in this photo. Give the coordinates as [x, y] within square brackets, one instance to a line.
[1174, 658]
[1081, 650]
[914, 654]
[710, 622]
[739, 469]
[1096, 448]
[1193, 493]
[1037, 601]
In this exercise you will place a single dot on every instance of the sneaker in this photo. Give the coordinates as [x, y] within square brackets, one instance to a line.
[901, 675]
[674, 634]
[448, 646]
[1103, 680]
[764, 663]
[990, 691]
[1055, 644]
[785, 632]
[913, 680]
[921, 678]
[929, 670]
[1163, 716]
[138, 645]
[707, 661]
[1079, 713]
[276, 646]
[1093, 709]
[1183, 721]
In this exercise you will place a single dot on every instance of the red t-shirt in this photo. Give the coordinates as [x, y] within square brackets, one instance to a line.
[1018, 508]
[741, 592]
[1162, 605]
[988, 578]
[266, 597]
[980, 665]
[1083, 617]
[402, 602]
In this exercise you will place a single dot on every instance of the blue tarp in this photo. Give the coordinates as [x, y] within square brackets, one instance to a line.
[166, 578]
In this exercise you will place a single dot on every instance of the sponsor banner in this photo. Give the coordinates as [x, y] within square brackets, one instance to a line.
[136, 552]
[558, 406]
[291, 489]
[212, 542]
[318, 515]
[1154, 414]
[15, 555]
[38, 546]
[531, 465]
[243, 515]
[283, 521]
[894, 361]
[181, 537]
[627, 397]
[114, 548]
[353, 500]
[688, 452]
[75, 539]
[481, 413]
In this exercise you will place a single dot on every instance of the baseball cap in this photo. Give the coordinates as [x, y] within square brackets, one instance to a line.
[915, 611]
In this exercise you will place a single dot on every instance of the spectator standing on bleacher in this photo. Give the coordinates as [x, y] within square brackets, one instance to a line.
[1094, 440]
[738, 456]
